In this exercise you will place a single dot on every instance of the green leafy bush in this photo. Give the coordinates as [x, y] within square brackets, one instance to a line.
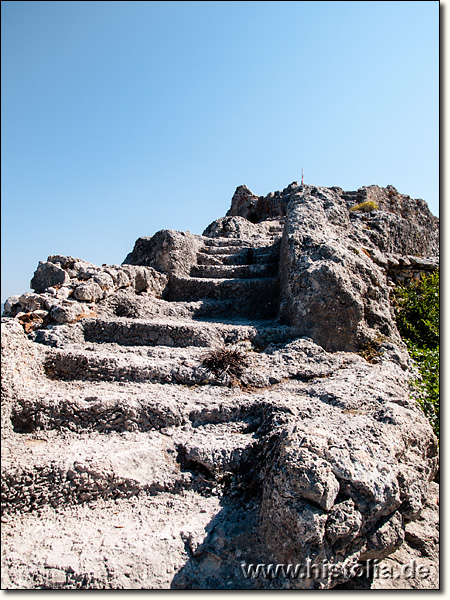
[366, 206]
[417, 315]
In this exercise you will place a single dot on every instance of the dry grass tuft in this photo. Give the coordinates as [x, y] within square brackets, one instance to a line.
[223, 362]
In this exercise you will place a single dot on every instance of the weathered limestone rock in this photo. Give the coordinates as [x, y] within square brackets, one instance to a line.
[70, 312]
[343, 524]
[33, 320]
[121, 447]
[104, 281]
[243, 203]
[119, 276]
[63, 293]
[259, 208]
[30, 302]
[333, 286]
[231, 227]
[83, 284]
[68, 262]
[362, 516]
[303, 475]
[401, 224]
[21, 368]
[48, 275]
[88, 292]
[11, 303]
[146, 279]
[414, 565]
[167, 251]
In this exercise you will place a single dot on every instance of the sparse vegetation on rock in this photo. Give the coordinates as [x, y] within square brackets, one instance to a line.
[366, 206]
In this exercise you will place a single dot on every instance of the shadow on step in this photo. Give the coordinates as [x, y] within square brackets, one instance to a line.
[214, 561]
[248, 298]
[232, 468]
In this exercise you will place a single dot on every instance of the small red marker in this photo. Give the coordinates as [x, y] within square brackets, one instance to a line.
[302, 176]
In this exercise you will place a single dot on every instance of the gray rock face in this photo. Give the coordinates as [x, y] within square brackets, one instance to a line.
[48, 275]
[259, 208]
[402, 225]
[331, 289]
[145, 279]
[30, 302]
[11, 303]
[167, 251]
[70, 312]
[231, 227]
[88, 292]
[121, 447]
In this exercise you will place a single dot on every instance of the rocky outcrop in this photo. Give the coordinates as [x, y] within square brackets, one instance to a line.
[171, 252]
[48, 275]
[399, 224]
[148, 470]
[259, 208]
[331, 288]
[68, 289]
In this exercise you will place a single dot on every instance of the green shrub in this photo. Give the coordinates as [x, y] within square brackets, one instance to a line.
[428, 386]
[417, 315]
[417, 311]
[366, 206]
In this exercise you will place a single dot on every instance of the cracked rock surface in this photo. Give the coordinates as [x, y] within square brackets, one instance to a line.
[127, 464]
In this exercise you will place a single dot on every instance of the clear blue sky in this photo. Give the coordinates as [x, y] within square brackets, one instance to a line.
[123, 118]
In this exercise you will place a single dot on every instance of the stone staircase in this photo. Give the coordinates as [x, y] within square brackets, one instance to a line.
[115, 377]
[234, 270]
[125, 409]
[83, 433]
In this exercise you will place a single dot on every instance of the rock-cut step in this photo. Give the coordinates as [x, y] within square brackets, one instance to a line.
[159, 364]
[234, 271]
[91, 466]
[242, 257]
[239, 255]
[104, 407]
[121, 364]
[252, 297]
[142, 332]
[226, 242]
[184, 333]
[229, 249]
[84, 406]
[156, 365]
